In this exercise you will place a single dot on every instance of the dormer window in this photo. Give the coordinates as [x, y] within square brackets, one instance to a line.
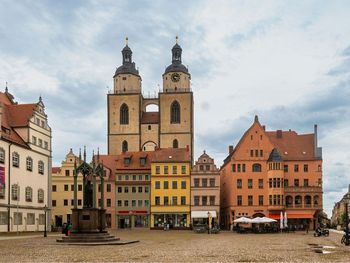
[142, 161]
[127, 161]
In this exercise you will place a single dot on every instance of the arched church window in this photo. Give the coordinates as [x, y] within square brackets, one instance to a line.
[256, 167]
[124, 146]
[124, 114]
[175, 112]
[175, 144]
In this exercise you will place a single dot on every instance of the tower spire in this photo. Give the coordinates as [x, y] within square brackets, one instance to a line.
[177, 39]
[126, 41]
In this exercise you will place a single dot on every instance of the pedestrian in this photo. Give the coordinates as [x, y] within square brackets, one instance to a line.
[307, 228]
[69, 229]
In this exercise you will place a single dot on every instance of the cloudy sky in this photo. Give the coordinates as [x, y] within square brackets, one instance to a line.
[287, 61]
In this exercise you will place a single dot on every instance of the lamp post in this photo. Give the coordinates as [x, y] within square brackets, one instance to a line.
[208, 222]
[45, 232]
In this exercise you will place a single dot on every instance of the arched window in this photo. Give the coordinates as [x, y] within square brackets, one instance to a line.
[41, 167]
[298, 201]
[175, 144]
[40, 196]
[124, 114]
[175, 112]
[29, 194]
[307, 201]
[124, 146]
[256, 167]
[316, 200]
[2, 155]
[15, 159]
[29, 164]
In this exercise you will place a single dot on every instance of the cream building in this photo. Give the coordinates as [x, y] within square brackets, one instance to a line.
[131, 127]
[63, 190]
[25, 165]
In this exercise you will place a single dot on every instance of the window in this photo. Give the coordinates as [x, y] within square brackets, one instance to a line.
[46, 145]
[139, 203]
[157, 186]
[29, 194]
[306, 168]
[285, 182]
[119, 203]
[256, 153]
[306, 182]
[196, 182]
[261, 200]
[250, 200]
[65, 202]
[166, 200]
[234, 167]
[239, 200]
[126, 203]
[212, 200]
[126, 189]
[296, 182]
[157, 170]
[212, 182]
[72, 187]
[175, 112]
[15, 192]
[296, 168]
[157, 200]
[53, 202]
[41, 167]
[2, 192]
[146, 177]
[133, 189]
[72, 202]
[146, 203]
[140, 177]
[40, 142]
[251, 153]
[261, 153]
[196, 200]
[183, 169]
[285, 168]
[183, 200]
[239, 168]
[261, 183]
[109, 202]
[166, 169]
[256, 167]
[166, 185]
[270, 183]
[250, 183]
[119, 177]
[239, 183]
[124, 114]
[140, 189]
[40, 196]
[174, 200]
[2, 155]
[146, 189]
[79, 201]
[109, 188]
[126, 177]
[29, 162]
[183, 184]
[204, 182]
[125, 147]
[17, 218]
[204, 200]
[201, 168]
[243, 168]
[119, 189]
[174, 184]
[66, 187]
[174, 169]
[15, 159]
[34, 140]
[175, 144]
[149, 127]
[134, 177]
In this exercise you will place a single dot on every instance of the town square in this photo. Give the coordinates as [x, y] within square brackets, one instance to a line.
[163, 131]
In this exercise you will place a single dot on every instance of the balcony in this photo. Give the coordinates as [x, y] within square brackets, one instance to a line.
[302, 189]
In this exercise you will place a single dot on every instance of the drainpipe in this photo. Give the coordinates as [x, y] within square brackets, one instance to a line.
[9, 189]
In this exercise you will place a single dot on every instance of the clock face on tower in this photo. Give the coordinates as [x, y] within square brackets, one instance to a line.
[175, 77]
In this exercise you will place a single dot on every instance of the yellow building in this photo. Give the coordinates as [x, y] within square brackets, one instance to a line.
[170, 188]
[63, 190]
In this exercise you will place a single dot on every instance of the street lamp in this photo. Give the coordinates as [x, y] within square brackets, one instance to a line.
[45, 232]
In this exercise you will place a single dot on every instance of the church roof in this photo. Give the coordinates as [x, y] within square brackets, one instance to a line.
[127, 68]
[176, 68]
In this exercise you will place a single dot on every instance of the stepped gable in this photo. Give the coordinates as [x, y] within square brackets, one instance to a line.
[150, 118]
[172, 155]
[293, 146]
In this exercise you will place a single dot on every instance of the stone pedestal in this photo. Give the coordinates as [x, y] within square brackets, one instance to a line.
[88, 220]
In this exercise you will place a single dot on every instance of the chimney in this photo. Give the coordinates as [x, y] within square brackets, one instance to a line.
[264, 127]
[230, 149]
[187, 148]
[279, 133]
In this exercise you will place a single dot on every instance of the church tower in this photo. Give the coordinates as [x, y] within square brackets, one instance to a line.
[176, 105]
[124, 107]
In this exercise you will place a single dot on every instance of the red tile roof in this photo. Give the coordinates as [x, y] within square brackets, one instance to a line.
[134, 161]
[150, 117]
[56, 170]
[20, 114]
[171, 155]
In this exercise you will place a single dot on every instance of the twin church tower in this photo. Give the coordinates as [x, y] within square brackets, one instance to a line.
[131, 127]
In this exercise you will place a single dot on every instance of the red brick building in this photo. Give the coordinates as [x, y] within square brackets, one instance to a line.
[272, 171]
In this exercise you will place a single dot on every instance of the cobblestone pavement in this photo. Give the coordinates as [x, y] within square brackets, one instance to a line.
[181, 246]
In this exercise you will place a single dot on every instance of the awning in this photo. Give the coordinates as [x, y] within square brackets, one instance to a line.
[292, 216]
[202, 214]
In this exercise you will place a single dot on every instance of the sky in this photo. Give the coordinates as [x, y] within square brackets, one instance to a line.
[286, 61]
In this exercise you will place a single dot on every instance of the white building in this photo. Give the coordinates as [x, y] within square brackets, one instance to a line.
[25, 165]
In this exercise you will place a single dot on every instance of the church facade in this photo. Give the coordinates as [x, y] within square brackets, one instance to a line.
[131, 127]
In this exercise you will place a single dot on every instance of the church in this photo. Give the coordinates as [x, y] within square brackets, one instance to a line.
[131, 127]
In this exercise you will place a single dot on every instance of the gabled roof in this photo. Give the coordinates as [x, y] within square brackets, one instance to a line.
[20, 114]
[134, 163]
[167, 155]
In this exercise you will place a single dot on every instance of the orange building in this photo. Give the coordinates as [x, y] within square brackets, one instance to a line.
[273, 171]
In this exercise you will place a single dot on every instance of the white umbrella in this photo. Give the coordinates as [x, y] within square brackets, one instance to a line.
[269, 220]
[258, 220]
[285, 220]
[281, 220]
[242, 220]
